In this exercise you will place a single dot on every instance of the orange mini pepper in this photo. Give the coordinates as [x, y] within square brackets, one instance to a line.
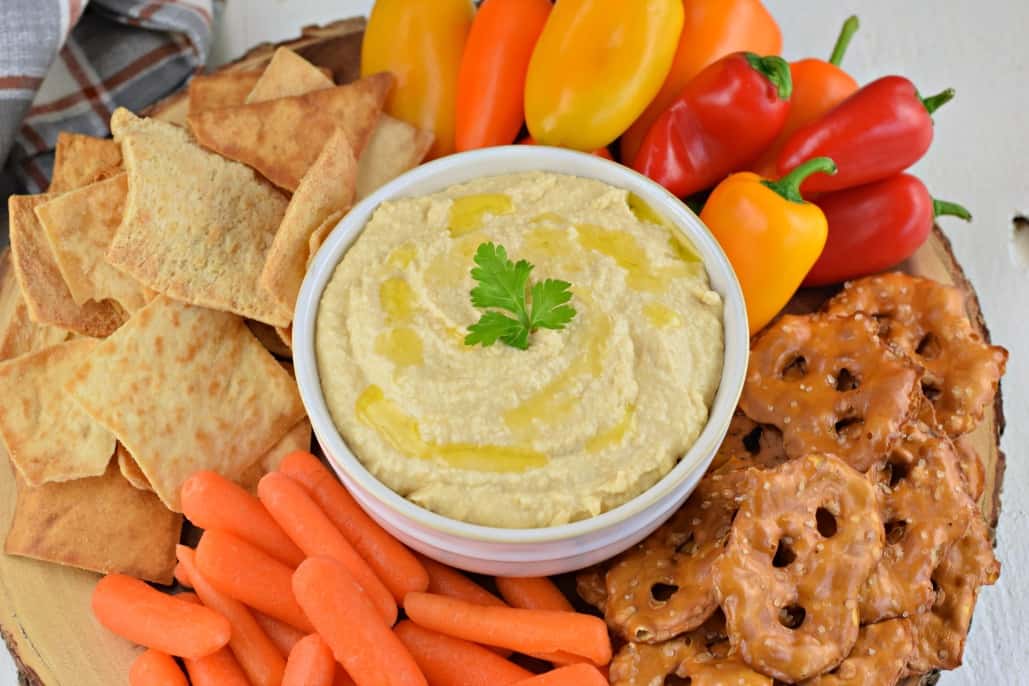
[596, 66]
[711, 30]
[421, 44]
[818, 86]
[491, 82]
[771, 235]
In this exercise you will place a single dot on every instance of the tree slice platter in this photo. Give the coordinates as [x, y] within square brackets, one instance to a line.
[45, 616]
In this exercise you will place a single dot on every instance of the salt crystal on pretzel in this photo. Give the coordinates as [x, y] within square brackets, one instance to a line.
[925, 510]
[927, 321]
[701, 657]
[878, 657]
[749, 444]
[830, 385]
[802, 545]
[663, 586]
[940, 633]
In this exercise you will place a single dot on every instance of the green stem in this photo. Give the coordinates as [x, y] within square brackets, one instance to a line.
[776, 70]
[934, 102]
[850, 27]
[789, 185]
[945, 208]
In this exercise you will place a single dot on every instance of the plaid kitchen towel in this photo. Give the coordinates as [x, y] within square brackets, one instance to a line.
[65, 65]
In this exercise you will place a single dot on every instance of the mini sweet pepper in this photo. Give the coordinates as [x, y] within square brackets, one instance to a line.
[596, 66]
[771, 235]
[421, 43]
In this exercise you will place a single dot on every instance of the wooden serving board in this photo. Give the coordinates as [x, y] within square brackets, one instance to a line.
[45, 616]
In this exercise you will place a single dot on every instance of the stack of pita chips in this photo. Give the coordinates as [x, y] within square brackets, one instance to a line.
[147, 294]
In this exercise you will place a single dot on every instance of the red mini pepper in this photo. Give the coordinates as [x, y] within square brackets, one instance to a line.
[724, 118]
[876, 133]
[876, 226]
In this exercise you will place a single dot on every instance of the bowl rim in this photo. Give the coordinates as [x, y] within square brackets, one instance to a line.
[475, 164]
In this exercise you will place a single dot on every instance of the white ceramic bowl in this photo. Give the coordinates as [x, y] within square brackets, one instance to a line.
[521, 552]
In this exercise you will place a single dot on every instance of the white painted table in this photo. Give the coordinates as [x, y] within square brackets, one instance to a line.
[980, 158]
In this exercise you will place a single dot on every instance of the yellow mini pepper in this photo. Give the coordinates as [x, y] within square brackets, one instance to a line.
[771, 235]
[421, 43]
[596, 67]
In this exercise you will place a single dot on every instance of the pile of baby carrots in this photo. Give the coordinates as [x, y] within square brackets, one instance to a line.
[299, 587]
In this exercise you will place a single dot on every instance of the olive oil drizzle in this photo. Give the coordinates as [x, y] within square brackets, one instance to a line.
[402, 432]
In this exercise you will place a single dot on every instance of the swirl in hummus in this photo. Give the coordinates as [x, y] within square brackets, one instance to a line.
[584, 420]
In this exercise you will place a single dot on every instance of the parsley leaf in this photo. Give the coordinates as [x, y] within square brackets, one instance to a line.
[504, 285]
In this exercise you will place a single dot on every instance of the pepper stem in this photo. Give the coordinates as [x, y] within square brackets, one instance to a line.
[945, 208]
[776, 70]
[850, 27]
[934, 102]
[789, 185]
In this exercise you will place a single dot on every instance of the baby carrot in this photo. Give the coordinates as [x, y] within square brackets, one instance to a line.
[154, 668]
[282, 635]
[572, 675]
[308, 526]
[397, 566]
[525, 631]
[217, 669]
[256, 653]
[342, 678]
[447, 661]
[444, 580]
[351, 625]
[254, 578]
[181, 577]
[310, 663]
[144, 615]
[211, 501]
[533, 593]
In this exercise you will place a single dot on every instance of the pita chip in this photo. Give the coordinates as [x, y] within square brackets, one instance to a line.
[298, 438]
[269, 338]
[327, 188]
[101, 524]
[281, 138]
[318, 236]
[18, 333]
[173, 109]
[47, 435]
[197, 227]
[221, 89]
[81, 225]
[288, 74]
[46, 294]
[186, 388]
[80, 160]
[394, 148]
[130, 470]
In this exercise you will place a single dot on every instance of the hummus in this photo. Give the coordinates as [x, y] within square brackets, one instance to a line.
[585, 419]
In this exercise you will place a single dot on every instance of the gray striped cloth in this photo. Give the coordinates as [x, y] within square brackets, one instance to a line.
[65, 65]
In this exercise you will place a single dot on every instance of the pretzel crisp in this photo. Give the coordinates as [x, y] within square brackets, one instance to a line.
[925, 510]
[701, 657]
[591, 586]
[663, 586]
[831, 386]
[878, 657]
[749, 444]
[940, 633]
[927, 321]
[802, 545]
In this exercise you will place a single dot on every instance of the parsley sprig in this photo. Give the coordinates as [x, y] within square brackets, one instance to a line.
[504, 285]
